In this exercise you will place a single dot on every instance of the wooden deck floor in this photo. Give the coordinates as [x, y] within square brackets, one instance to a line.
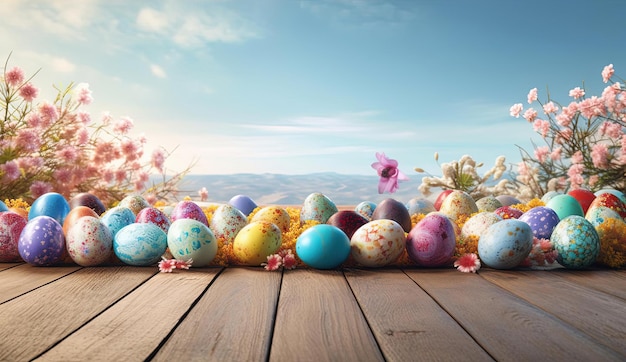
[123, 313]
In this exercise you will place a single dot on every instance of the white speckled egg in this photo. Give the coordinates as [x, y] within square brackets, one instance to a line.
[378, 243]
[191, 239]
[477, 224]
[140, 244]
[458, 203]
[317, 207]
[274, 214]
[488, 203]
[504, 245]
[226, 222]
[89, 242]
[576, 242]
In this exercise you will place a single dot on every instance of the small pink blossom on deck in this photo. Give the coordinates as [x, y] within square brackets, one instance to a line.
[183, 264]
[167, 265]
[29, 92]
[389, 173]
[468, 263]
[289, 260]
[607, 73]
[14, 76]
[274, 262]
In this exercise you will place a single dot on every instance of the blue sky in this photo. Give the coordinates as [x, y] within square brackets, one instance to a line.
[295, 87]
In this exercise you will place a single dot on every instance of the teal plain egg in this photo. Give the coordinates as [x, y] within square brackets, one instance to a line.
[323, 246]
[565, 205]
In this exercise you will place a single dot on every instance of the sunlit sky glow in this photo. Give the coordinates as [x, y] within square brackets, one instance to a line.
[295, 87]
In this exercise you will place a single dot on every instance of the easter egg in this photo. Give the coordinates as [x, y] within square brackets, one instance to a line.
[323, 246]
[348, 221]
[89, 242]
[135, 203]
[11, 226]
[154, 216]
[191, 239]
[418, 205]
[365, 208]
[620, 195]
[542, 220]
[442, 196]
[75, 214]
[458, 203]
[317, 207]
[432, 241]
[256, 241]
[576, 242]
[598, 214]
[611, 201]
[488, 203]
[392, 209]
[507, 200]
[50, 204]
[243, 203]
[478, 223]
[565, 205]
[378, 243]
[3, 206]
[584, 198]
[504, 245]
[274, 214]
[140, 244]
[89, 200]
[188, 210]
[117, 217]
[42, 241]
[226, 222]
[508, 212]
[549, 195]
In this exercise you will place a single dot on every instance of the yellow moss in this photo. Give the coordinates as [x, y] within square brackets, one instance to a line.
[467, 245]
[416, 218]
[17, 204]
[612, 234]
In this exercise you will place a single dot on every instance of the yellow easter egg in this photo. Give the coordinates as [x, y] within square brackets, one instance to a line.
[274, 214]
[256, 241]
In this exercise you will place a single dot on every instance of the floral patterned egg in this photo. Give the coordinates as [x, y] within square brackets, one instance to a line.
[89, 242]
[140, 244]
[598, 214]
[477, 224]
[488, 203]
[188, 210]
[154, 216]
[274, 214]
[256, 241]
[191, 239]
[576, 242]
[42, 241]
[317, 207]
[243, 203]
[565, 205]
[378, 243]
[366, 208]
[504, 245]
[11, 226]
[432, 241]
[117, 217]
[611, 201]
[458, 203]
[418, 205]
[542, 220]
[226, 222]
[135, 203]
[50, 204]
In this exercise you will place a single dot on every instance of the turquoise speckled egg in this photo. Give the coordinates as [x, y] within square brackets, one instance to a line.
[576, 242]
[504, 245]
[191, 239]
[598, 214]
[140, 244]
[317, 207]
[117, 217]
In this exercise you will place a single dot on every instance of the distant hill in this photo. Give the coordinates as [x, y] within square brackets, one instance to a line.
[279, 189]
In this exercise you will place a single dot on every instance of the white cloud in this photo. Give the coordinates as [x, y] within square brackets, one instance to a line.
[149, 19]
[61, 64]
[157, 71]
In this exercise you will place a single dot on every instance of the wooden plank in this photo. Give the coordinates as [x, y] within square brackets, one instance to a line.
[233, 321]
[5, 266]
[135, 326]
[601, 316]
[24, 278]
[46, 315]
[406, 322]
[507, 327]
[608, 281]
[318, 319]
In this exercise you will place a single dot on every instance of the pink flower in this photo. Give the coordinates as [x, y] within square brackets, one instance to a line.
[29, 92]
[577, 157]
[607, 73]
[67, 154]
[516, 109]
[468, 263]
[289, 260]
[541, 153]
[389, 173]
[274, 262]
[530, 115]
[33, 120]
[84, 117]
[28, 140]
[84, 94]
[183, 264]
[106, 118]
[577, 93]
[39, 188]
[63, 175]
[556, 154]
[82, 136]
[11, 170]
[575, 174]
[123, 125]
[593, 179]
[611, 129]
[542, 127]
[203, 193]
[532, 95]
[599, 155]
[550, 107]
[158, 159]
[49, 113]
[167, 265]
[14, 76]
[129, 149]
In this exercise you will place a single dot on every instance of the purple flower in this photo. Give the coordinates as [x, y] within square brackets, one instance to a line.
[389, 174]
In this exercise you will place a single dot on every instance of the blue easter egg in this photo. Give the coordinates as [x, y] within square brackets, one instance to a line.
[323, 246]
[576, 242]
[565, 205]
[50, 204]
[191, 239]
[243, 203]
[3, 206]
[140, 244]
[505, 244]
[117, 217]
[542, 220]
[42, 241]
[366, 208]
[418, 205]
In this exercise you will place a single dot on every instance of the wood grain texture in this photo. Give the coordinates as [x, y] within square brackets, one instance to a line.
[231, 322]
[24, 278]
[506, 326]
[46, 315]
[4, 266]
[141, 320]
[608, 281]
[318, 319]
[406, 321]
[602, 316]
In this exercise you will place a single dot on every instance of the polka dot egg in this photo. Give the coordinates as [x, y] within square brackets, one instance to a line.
[542, 221]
